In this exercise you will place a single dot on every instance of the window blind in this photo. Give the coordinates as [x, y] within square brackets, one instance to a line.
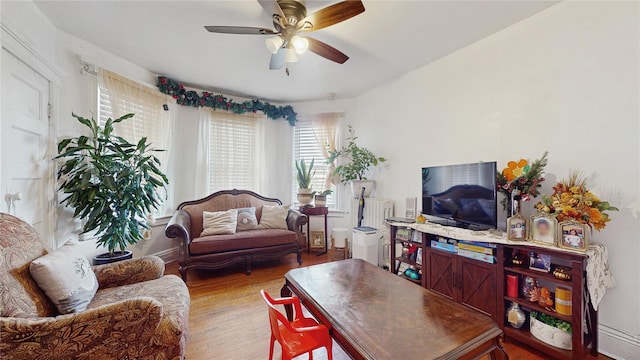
[233, 162]
[150, 119]
[307, 147]
[118, 96]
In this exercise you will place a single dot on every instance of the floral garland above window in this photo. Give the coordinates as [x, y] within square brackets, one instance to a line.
[206, 99]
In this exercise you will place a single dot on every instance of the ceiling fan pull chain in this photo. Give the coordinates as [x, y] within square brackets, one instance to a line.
[287, 70]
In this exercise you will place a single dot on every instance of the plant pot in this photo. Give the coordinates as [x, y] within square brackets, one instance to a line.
[550, 335]
[305, 196]
[320, 200]
[357, 185]
[108, 258]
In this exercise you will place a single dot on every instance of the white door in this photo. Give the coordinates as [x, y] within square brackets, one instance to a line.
[25, 159]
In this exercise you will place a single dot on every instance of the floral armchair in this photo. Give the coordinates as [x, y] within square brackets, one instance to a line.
[136, 313]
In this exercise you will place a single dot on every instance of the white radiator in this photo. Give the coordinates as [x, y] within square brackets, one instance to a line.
[375, 212]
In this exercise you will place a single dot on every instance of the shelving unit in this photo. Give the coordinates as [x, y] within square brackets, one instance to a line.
[584, 337]
[482, 286]
[399, 259]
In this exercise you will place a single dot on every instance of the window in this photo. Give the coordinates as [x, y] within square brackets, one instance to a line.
[118, 96]
[307, 147]
[234, 141]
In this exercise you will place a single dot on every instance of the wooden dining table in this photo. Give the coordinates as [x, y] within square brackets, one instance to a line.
[374, 314]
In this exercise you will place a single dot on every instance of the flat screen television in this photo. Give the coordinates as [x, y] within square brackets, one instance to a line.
[463, 195]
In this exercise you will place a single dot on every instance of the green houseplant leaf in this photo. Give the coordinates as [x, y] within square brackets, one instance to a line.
[359, 160]
[112, 184]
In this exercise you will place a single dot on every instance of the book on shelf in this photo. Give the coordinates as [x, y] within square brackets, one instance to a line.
[447, 240]
[475, 248]
[477, 243]
[477, 256]
[444, 246]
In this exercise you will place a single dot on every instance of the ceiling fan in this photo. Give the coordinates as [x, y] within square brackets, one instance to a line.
[291, 24]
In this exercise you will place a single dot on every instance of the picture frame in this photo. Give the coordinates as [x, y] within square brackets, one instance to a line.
[573, 235]
[419, 256]
[543, 229]
[517, 227]
[316, 239]
[540, 262]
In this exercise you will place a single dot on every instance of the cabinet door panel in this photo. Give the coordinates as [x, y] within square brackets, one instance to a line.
[478, 288]
[441, 272]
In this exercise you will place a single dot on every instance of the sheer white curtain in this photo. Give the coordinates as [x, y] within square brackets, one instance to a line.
[325, 127]
[201, 185]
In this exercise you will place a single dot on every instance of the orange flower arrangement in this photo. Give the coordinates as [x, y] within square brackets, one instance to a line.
[515, 169]
[522, 176]
[571, 200]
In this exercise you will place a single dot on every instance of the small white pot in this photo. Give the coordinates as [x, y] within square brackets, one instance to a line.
[305, 196]
[357, 185]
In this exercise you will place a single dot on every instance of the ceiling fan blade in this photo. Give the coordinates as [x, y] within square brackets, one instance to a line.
[333, 14]
[327, 51]
[242, 30]
[277, 60]
[272, 7]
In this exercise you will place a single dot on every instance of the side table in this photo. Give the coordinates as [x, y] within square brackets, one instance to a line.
[316, 211]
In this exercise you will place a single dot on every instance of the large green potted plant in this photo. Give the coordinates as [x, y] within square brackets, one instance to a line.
[112, 184]
[304, 175]
[359, 161]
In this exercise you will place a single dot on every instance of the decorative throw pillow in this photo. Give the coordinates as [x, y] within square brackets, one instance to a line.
[274, 217]
[66, 277]
[219, 222]
[247, 219]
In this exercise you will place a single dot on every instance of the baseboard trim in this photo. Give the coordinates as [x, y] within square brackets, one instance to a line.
[617, 344]
[168, 255]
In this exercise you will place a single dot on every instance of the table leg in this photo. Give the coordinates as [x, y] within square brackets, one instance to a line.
[499, 350]
[286, 292]
[308, 236]
[325, 236]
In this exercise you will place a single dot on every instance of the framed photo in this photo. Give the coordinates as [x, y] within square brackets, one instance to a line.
[317, 239]
[419, 256]
[540, 262]
[543, 229]
[573, 235]
[517, 228]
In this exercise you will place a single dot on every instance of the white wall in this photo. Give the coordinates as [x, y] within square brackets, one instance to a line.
[564, 80]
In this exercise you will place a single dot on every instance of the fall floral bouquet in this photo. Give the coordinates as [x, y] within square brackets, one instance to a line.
[523, 177]
[571, 200]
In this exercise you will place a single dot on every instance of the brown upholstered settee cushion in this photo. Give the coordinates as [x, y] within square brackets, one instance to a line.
[242, 240]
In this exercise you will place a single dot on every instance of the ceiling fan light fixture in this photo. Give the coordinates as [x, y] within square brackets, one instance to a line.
[290, 56]
[300, 44]
[274, 43]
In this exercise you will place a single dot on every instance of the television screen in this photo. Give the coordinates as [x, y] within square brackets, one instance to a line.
[464, 194]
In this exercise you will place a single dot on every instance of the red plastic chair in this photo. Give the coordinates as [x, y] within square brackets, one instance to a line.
[300, 336]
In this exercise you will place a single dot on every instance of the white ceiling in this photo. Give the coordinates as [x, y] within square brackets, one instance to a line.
[388, 40]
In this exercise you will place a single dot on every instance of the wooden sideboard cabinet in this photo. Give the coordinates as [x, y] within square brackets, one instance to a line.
[467, 281]
[482, 286]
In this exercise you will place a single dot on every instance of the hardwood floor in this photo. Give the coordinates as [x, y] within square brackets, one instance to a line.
[228, 318]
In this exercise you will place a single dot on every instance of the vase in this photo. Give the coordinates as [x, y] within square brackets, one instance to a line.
[514, 202]
[305, 196]
[515, 316]
[320, 200]
[108, 258]
[357, 185]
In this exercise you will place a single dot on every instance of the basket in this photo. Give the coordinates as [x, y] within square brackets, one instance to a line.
[550, 335]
